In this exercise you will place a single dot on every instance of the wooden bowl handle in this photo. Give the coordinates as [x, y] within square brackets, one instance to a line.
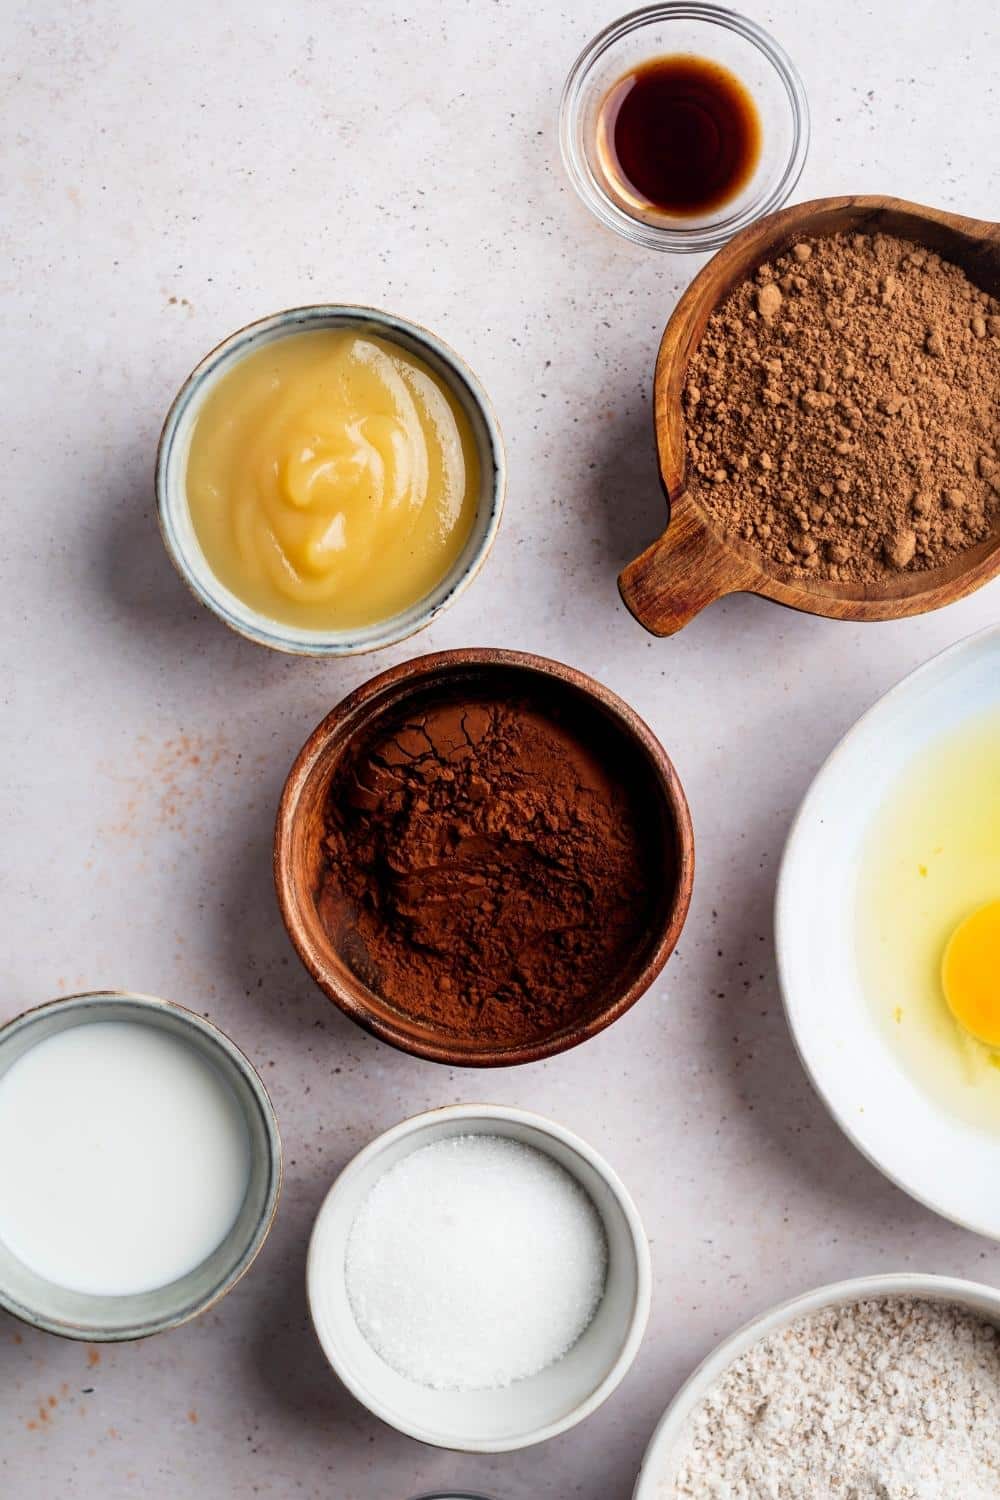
[684, 569]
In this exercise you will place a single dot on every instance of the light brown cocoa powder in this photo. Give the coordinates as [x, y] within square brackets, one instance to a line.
[843, 410]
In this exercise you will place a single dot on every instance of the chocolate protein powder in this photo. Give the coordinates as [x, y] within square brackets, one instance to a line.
[843, 410]
[489, 863]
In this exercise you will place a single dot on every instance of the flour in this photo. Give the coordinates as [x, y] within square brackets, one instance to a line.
[894, 1399]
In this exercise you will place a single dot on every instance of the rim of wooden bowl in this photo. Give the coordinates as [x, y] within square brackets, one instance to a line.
[317, 759]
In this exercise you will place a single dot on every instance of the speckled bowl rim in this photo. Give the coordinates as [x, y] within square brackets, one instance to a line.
[358, 711]
[671, 1430]
[529, 1124]
[89, 999]
[170, 486]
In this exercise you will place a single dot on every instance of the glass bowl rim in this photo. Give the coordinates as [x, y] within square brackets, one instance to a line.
[680, 239]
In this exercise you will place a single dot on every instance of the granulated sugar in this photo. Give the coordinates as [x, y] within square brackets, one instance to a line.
[474, 1262]
[893, 1399]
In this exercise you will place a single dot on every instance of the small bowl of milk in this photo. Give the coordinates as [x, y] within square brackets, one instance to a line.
[140, 1166]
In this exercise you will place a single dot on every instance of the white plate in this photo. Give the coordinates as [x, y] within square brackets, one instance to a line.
[945, 1163]
[528, 1411]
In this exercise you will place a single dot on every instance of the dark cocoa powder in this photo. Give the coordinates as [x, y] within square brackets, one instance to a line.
[843, 410]
[488, 865]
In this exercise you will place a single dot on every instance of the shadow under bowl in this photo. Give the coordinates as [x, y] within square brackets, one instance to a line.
[640, 761]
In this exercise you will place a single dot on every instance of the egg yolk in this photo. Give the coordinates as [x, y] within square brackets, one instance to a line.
[970, 973]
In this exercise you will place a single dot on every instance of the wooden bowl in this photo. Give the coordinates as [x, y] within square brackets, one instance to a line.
[299, 853]
[695, 560]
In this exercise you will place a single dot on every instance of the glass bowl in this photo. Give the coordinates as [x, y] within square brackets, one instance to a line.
[716, 35]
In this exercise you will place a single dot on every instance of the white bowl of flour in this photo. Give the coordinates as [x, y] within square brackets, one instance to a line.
[880, 1388]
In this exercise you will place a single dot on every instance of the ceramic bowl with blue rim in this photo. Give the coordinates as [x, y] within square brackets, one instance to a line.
[178, 530]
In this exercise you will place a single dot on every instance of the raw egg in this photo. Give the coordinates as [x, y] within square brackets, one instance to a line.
[970, 974]
[928, 920]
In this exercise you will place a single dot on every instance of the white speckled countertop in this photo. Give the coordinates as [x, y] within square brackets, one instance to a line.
[172, 172]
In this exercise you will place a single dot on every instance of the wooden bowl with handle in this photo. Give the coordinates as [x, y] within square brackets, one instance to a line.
[695, 561]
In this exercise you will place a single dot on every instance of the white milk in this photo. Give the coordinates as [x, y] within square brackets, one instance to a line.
[124, 1158]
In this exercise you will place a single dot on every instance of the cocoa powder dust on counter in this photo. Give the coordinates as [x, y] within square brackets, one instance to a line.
[843, 410]
[489, 863]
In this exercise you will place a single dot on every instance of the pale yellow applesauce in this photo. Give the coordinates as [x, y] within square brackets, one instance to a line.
[332, 479]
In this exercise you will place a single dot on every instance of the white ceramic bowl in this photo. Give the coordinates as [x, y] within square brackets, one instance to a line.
[98, 1319]
[936, 1157]
[528, 1411]
[171, 474]
[666, 1447]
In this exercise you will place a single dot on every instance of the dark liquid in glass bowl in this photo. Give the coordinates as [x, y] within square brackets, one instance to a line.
[679, 135]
